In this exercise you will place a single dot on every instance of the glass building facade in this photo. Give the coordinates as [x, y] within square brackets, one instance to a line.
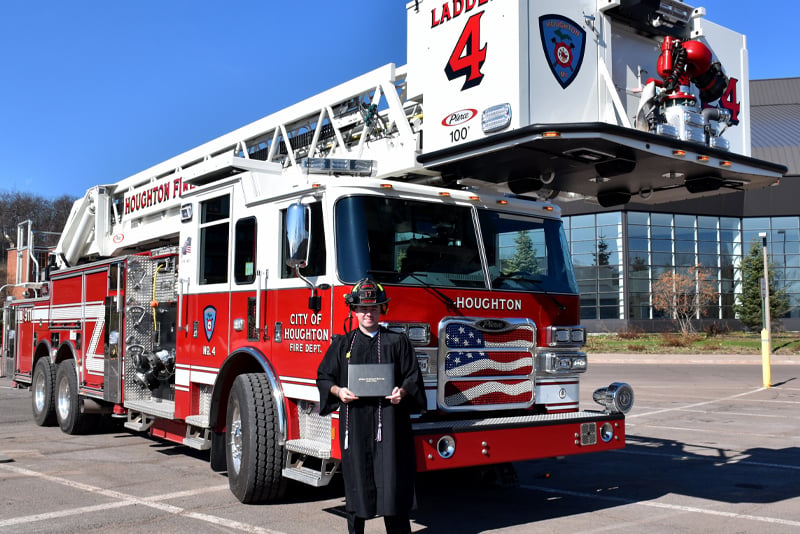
[619, 255]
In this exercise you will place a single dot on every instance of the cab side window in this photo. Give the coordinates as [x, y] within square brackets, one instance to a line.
[316, 256]
[214, 240]
[244, 256]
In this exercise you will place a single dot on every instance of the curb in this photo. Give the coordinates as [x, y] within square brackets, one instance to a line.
[697, 359]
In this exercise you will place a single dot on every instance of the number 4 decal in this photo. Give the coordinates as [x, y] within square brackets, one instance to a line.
[467, 57]
[729, 102]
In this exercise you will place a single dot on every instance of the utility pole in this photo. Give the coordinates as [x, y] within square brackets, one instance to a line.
[766, 332]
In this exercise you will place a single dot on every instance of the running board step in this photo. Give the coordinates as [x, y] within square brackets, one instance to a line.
[310, 447]
[138, 421]
[197, 437]
[300, 452]
[309, 476]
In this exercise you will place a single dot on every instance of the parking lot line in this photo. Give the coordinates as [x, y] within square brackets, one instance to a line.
[121, 500]
[665, 506]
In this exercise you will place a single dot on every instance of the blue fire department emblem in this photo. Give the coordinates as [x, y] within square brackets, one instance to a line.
[564, 43]
[209, 321]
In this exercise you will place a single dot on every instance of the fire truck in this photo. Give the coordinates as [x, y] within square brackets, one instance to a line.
[195, 299]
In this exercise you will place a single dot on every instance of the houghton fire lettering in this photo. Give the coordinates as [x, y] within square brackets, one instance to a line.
[155, 195]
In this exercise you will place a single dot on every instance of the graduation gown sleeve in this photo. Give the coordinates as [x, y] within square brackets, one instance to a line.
[332, 371]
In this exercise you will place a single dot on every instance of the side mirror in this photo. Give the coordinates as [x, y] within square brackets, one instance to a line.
[298, 233]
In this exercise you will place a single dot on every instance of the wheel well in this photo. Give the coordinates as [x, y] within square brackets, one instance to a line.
[245, 360]
[65, 352]
[42, 351]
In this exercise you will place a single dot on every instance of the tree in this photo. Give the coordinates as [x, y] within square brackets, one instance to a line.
[602, 256]
[524, 258]
[684, 295]
[45, 216]
[748, 305]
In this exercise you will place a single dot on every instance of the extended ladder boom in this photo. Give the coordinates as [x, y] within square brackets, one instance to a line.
[364, 119]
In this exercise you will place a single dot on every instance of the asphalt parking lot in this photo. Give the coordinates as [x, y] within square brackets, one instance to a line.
[709, 450]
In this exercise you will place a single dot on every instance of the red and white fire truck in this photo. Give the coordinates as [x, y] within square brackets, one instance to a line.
[196, 298]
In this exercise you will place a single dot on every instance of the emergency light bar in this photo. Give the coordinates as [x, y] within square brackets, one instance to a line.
[354, 167]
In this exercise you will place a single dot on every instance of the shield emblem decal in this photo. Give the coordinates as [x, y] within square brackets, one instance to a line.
[563, 42]
[209, 321]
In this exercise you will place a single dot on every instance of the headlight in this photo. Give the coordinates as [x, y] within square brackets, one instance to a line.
[559, 336]
[562, 362]
[418, 333]
[616, 398]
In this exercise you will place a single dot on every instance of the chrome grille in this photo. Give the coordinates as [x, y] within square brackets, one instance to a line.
[485, 363]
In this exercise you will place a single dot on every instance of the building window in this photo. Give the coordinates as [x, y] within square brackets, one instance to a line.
[658, 243]
[783, 250]
[597, 251]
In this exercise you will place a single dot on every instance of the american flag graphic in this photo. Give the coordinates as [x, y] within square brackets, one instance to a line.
[464, 336]
[472, 393]
[481, 363]
[478, 353]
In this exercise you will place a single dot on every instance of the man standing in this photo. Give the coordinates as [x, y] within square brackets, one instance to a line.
[377, 446]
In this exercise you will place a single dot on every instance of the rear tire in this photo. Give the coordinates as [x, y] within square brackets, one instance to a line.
[252, 451]
[67, 400]
[43, 393]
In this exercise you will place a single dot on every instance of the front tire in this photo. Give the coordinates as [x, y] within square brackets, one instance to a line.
[68, 402]
[254, 456]
[43, 393]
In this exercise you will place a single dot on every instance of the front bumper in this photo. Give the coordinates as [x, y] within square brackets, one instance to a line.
[475, 442]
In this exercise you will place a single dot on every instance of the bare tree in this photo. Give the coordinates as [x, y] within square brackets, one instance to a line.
[46, 216]
[684, 296]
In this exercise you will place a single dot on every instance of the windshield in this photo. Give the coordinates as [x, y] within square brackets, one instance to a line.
[426, 243]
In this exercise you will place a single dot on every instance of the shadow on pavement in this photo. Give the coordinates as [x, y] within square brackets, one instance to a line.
[472, 500]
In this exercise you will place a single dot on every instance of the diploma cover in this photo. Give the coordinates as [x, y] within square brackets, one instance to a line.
[371, 379]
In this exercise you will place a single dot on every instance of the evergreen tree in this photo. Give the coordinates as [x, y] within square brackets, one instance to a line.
[602, 256]
[748, 305]
[524, 258]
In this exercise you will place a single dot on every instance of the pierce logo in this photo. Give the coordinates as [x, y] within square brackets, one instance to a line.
[459, 117]
[118, 238]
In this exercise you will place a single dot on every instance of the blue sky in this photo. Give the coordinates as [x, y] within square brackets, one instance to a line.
[92, 92]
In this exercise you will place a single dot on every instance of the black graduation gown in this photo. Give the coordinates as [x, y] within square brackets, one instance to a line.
[378, 476]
